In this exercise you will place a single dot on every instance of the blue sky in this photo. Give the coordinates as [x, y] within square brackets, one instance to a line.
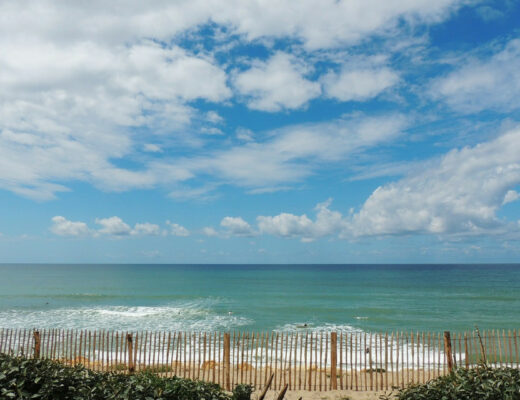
[260, 131]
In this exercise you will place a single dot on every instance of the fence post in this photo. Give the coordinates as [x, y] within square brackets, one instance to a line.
[333, 360]
[447, 350]
[37, 344]
[129, 342]
[227, 353]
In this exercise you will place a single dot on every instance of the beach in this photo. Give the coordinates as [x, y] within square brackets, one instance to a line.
[332, 395]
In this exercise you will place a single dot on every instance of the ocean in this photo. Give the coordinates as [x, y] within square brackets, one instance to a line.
[370, 298]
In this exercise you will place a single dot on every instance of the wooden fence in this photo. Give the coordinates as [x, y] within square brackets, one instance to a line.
[303, 360]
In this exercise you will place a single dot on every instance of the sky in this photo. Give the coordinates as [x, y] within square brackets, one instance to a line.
[260, 131]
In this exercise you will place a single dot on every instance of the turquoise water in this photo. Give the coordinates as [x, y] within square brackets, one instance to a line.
[261, 297]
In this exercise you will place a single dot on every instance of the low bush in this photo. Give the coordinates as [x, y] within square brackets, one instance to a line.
[23, 378]
[483, 383]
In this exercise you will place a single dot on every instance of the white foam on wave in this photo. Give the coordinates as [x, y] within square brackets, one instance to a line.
[311, 327]
[179, 316]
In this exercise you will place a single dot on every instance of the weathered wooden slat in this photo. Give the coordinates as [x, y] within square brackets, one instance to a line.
[510, 349]
[287, 360]
[386, 362]
[356, 358]
[500, 337]
[352, 370]
[257, 337]
[341, 360]
[305, 361]
[316, 362]
[366, 350]
[323, 370]
[418, 356]
[310, 362]
[333, 361]
[515, 337]
[227, 361]
[216, 365]
[429, 354]
[2, 340]
[392, 380]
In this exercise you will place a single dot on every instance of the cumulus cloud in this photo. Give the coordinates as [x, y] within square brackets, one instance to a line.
[146, 229]
[460, 193]
[236, 226]
[63, 227]
[457, 194]
[285, 224]
[485, 83]
[113, 226]
[279, 83]
[358, 84]
[177, 230]
[327, 222]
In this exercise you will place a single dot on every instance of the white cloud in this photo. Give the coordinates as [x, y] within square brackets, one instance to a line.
[177, 230]
[244, 134]
[330, 24]
[113, 226]
[480, 84]
[236, 226]
[209, 231]
[327, 223]
[277, 84]
[285, 224]
[359, 84]
[292, 153]
[190, 193]
[63, 227]
[214, 117]
[85, 85]
[152, 148]
[69, 109]
[146, 229]
[511, 196]
[460, 193]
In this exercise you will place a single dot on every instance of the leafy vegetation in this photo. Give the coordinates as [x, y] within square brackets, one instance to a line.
[23, 378]
[483, 383]
[242, 392]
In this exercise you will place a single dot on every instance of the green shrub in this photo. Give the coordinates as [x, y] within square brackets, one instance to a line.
[242, 392]
[483, 383]
[22, 378]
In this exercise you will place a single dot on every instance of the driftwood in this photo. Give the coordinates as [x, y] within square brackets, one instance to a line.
[282, 393]
[266, 388]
